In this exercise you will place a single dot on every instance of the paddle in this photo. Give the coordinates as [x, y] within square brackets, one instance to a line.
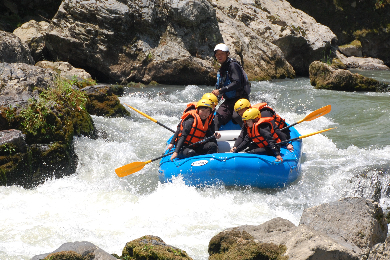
[304, 136]
[313, 115]
[151, 118]
[137, 166]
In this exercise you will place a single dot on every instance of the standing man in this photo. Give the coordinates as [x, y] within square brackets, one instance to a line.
[232, 84]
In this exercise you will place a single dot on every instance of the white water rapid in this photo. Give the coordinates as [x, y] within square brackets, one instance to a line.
[95, 205]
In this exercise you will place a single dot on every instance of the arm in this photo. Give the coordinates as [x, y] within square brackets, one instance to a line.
[240, 138]
[265, 131]
[172, 143]
[282, 136]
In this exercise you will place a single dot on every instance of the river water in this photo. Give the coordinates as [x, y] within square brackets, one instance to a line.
[95, 205]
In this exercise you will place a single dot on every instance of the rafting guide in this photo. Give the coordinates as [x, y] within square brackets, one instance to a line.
[232, 84]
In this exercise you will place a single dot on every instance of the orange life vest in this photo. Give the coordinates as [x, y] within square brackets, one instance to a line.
[192, 106]
[253, 132]
[278, 120]
[259, 106]
[198, 130]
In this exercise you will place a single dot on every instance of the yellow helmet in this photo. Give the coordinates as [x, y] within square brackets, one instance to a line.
[251, 113]
[242, 103]
[213, 98]
[204, 103]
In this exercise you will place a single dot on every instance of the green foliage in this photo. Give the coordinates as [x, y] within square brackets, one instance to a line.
[7, 149]
[381, 3]
[81, 83]
[41, 115]
[327, 58]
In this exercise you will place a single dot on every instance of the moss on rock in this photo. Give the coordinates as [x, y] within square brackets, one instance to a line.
[235, 244]
[152, 247]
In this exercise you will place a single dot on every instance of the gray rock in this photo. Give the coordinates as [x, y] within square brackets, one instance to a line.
[13, 50]
[15, 137]
[362, 63]
[21, 82]
[380, 251]
[354, 220]
[302, 242]
[172, 42]
[324, 76]
[65, 69]
[83, 248]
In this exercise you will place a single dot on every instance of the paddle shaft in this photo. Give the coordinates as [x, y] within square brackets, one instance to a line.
[303, 136]
[151, 118]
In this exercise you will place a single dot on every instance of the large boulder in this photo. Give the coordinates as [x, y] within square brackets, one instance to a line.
[345, 229]
[324, 76]
[168, 42]
[13, 50]
[172, 42]
[76, 251]
[32, 100]
[355, 220]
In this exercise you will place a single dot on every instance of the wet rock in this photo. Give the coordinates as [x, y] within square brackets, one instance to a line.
[324, 76]
[358, 221]
[287, 241]
[239, 243]
[152, 247]
[14, 159]
[76, 251]
[103, 102]
[13, 50]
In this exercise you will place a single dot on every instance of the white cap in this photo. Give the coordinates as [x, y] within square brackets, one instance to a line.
[221, 47]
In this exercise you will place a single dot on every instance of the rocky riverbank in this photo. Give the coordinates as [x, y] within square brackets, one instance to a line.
[351, 228]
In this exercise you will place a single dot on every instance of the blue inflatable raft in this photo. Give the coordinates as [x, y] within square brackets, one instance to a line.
[231, 169]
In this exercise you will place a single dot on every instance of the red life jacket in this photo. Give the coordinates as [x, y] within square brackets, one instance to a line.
[198, 130]
[253, 132]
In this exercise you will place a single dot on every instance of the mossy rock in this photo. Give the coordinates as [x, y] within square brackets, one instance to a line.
[66, 255]
[241, 245]
[152, 247]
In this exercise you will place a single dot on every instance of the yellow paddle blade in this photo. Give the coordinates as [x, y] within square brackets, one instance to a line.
[317, 113]
[130, 168]
[304, 136]
[142, 113]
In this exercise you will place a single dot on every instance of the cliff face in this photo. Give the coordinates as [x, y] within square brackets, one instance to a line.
[367, 21]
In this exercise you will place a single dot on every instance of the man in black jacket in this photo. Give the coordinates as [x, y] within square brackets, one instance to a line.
[232, 84]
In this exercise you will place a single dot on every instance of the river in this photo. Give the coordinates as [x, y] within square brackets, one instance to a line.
[95, 205]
